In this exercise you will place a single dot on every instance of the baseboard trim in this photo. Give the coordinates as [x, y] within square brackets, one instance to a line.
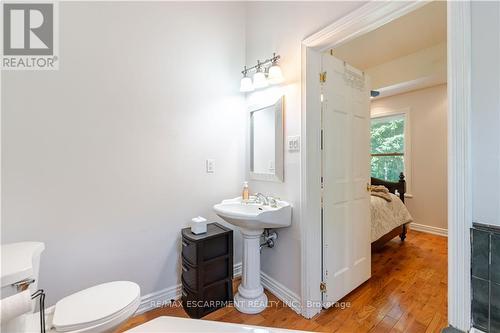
[166, 296]
[428, 229]
[284, 294]
[159, 298]
[237, 270]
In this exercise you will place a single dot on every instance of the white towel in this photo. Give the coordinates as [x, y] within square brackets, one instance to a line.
[15, 305]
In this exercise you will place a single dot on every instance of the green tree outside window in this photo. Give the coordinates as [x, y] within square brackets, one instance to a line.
[387, 147]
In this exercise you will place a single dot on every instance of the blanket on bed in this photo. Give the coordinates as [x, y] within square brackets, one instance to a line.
[381, 192]
[387, 215]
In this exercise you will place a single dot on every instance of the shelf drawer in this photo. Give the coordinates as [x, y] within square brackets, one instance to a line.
[211, 298]
[189, 275]
[218, 269]
[220, 292]
[207, 273]
[189, 301]
[216, 247]
[189, 251]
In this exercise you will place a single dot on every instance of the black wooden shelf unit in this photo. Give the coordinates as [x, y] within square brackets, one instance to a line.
[207, 270]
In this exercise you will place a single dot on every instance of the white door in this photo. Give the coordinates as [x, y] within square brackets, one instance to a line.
[346, 175]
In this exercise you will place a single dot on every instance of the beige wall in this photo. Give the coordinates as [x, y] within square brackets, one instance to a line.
[426, 63]
[428, 117]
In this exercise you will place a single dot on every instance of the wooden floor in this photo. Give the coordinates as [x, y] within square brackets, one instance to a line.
[406, 293]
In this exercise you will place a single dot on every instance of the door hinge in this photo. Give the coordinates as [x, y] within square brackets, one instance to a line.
[322, 287]
[322, 77]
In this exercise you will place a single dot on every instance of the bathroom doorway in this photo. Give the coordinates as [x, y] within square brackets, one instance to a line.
[336, 35]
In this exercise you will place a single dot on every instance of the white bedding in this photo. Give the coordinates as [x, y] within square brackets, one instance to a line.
[386, 215]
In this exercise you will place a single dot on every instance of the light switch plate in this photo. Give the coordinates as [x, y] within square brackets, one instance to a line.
[210, 165]
[293, 143]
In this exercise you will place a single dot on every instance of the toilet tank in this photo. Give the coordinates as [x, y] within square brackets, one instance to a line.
[20, 261]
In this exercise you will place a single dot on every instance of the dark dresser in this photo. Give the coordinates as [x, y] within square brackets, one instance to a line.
[207, 270]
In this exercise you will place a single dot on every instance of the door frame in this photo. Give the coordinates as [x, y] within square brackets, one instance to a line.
[362, 20]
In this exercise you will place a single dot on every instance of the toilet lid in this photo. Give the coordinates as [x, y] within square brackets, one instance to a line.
[94, 305]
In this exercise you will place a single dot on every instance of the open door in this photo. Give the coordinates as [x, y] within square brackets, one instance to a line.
[345, 178]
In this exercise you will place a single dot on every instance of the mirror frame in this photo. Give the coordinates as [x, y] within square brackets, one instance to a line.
[279, 165]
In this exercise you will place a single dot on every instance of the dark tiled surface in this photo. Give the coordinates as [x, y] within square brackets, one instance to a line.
[480, 303]
[487, 227]
[495, 258]
[480, 253]
[485, 269]
[495, 308]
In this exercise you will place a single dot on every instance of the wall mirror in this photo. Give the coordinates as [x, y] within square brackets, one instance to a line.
[266, 142]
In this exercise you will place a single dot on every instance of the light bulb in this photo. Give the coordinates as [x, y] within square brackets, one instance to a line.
[259, 80]
[275, 74]
[246, 84]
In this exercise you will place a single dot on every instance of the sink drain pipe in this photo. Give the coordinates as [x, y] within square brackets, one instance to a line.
[269, 237]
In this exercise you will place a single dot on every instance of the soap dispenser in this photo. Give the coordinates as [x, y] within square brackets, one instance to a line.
[245, 196]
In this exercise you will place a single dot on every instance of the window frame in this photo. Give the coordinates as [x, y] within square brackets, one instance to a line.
[382, 112]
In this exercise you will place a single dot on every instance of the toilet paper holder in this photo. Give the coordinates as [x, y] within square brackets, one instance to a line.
[41, 294]
[23, 284]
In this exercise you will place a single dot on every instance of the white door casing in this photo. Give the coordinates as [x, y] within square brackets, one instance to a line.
[346, 175]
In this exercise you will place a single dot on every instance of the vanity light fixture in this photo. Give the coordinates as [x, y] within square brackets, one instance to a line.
[246, 82]
[266, 72]
[259, 78]
[275, 75]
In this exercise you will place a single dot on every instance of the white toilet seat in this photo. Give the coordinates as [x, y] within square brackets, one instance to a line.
[96, 309]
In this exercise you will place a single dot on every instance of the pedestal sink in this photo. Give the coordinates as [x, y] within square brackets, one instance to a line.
[252, 218]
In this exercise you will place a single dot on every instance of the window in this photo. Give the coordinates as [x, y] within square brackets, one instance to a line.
[388, 146]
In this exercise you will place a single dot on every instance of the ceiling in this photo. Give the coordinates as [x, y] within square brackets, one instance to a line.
[420, 29]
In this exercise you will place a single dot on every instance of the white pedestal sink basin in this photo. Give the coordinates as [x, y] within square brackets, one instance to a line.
[252, 219]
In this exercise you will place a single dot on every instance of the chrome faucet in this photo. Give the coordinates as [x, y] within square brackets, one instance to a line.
[273, 202]
[261, 198]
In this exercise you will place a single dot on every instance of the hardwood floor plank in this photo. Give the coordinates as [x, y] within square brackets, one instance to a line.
[385, 325]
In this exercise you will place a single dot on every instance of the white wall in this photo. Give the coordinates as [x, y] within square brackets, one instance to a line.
[280, 27]
[486, 112]
[104, 160]
[428, 131]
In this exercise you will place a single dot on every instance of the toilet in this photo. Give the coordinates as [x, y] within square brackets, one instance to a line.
[98, 309]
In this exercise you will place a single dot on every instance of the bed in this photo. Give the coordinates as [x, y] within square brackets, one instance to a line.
[383, 231]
